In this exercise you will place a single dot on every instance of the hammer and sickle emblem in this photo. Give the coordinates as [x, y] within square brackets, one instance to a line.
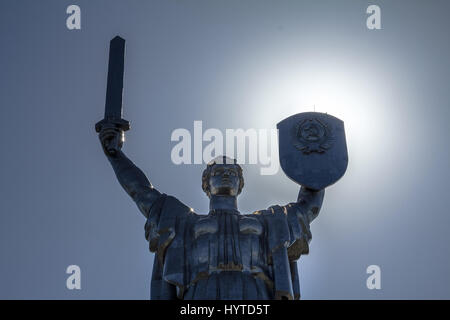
[312, 135]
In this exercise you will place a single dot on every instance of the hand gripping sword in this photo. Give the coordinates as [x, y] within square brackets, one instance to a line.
[114, 91]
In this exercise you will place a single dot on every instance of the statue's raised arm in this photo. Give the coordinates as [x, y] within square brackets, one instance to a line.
[130, 177]
[111, 133]
[310, 201]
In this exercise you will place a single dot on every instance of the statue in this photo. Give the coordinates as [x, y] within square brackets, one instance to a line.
[225, 254]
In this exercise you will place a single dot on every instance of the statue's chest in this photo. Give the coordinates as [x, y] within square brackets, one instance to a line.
[227, 241]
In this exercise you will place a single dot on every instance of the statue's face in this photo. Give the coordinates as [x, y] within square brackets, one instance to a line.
[224, 180]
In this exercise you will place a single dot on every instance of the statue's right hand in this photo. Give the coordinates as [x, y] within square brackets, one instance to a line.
[111, 139]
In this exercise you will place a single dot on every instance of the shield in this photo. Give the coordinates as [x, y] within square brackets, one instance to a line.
[312, 148]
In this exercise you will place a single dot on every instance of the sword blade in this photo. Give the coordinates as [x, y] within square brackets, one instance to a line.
[114, 90]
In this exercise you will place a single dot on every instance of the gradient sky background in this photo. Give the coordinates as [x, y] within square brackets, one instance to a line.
[232, 64]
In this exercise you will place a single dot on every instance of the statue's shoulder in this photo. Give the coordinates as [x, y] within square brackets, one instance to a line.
[271, 211]
[172, 206]
[168, 217]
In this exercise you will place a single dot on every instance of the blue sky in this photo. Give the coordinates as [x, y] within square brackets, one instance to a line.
[231, 64]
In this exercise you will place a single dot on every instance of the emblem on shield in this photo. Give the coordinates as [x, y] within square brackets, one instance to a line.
[312, 135]
[313, 149]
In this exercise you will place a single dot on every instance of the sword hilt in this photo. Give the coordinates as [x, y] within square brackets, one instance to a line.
[112, 123]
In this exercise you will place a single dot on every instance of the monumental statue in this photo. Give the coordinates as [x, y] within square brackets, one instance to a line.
[226, 254]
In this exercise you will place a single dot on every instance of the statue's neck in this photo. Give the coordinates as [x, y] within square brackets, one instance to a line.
[222, 202]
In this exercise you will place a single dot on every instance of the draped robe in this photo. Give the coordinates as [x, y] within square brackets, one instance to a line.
[227, 255]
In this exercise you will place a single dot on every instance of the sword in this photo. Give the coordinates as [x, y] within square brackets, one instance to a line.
[114, 91]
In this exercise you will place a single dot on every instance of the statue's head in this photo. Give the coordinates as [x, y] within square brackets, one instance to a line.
[222, 177]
